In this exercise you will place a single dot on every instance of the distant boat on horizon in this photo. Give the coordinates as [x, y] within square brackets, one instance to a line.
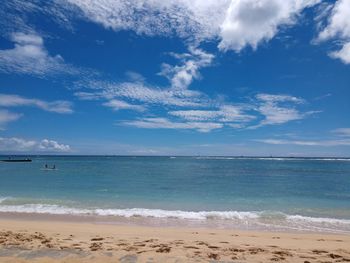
[10, 160]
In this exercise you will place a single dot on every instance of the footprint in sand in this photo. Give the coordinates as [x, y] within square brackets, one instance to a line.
[254, 251]
[97, 239]
[95, 246]
[213, 247]
[317, 251]
[191, 247]
[277, 259]
[139, 244]
[282, 253]
[214, 256]
[334, 256]
[150, 240]
[178, 242]
[163, 249]
[237, 250]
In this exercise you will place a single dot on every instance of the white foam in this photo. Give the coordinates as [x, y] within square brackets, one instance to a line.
[132, 212]
[159, 213]
[269, 220]
[322, 220]
[43, 209]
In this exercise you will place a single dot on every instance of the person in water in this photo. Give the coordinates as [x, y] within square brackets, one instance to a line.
[45, 166]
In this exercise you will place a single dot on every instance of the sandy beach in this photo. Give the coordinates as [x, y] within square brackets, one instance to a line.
[25, 240]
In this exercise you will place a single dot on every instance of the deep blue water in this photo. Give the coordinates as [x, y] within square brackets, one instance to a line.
[308, 194]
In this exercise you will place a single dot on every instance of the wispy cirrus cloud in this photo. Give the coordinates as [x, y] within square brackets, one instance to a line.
[142, 92]
[278, 109]
[337, 142]
[181, 76]
[339, 137]
[338, 28]
[6, 117]
[14, 144]
[265, 109]
[19, 15]
[343, 132]
[196, 109]
[122, 105]
[184, 108]
[59, 106]
[164, 123]
[224, 113]
[235, 24]
[29, 56]
[177, 93]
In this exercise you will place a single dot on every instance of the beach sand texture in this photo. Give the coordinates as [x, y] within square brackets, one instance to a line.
[57, 241]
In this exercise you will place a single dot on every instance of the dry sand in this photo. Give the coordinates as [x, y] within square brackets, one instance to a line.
[58, 241]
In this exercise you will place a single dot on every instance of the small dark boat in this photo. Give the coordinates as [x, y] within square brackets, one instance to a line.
[16, 160]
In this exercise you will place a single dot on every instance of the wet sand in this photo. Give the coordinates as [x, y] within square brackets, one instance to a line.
[43, 240]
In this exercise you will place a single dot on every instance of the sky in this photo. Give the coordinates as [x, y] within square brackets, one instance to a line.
[175, 77]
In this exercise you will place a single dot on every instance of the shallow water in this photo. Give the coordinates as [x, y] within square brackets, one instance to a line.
[273, 193]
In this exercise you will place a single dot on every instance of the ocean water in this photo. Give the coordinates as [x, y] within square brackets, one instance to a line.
[309, 194]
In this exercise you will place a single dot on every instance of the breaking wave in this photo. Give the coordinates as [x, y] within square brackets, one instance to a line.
[267, 219]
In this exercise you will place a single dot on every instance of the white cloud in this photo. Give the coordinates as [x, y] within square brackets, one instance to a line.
[337, 142]
[187, 19]
[122, 105]
[338, 27]
[343, 54]
[272, 98]
[177, 94]
[181, 76]
[163, 123]
[29, 56]
[275, 109]
[225, 113]
[6, 117]
[135, 77]
[17, 15]
[344, 132]
[196, 115]
[14, 144]
[235, 23]
[50, 145]
[54, 106]
[141, 92]
[192, 107]
[341, 137]
[338, 23]
[249, 22]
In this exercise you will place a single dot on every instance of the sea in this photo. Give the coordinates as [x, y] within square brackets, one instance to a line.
[254, 193]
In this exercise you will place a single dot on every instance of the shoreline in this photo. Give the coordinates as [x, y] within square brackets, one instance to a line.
[56, 240]
[167, 222]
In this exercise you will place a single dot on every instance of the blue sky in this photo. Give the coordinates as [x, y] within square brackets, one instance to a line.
[177, 77]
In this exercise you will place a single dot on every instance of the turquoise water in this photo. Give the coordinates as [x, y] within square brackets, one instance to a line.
[281, 193]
